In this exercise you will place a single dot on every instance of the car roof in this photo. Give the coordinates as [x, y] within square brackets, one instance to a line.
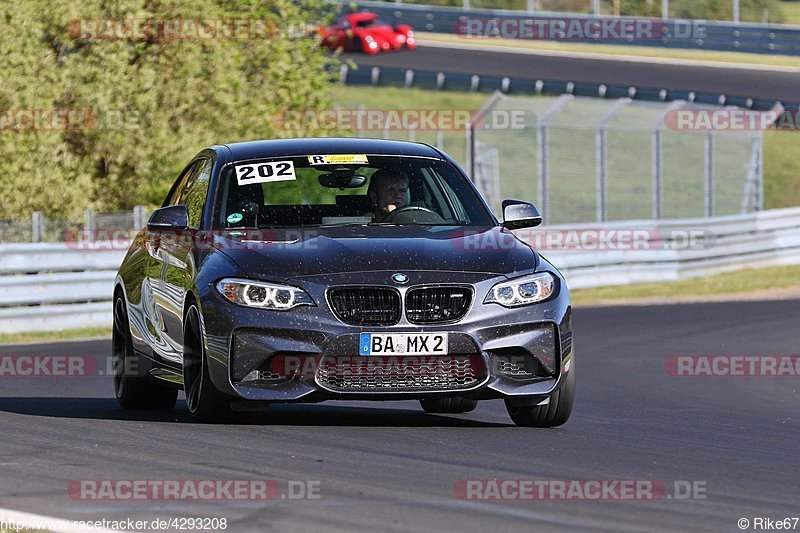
[363, 15]
[323, 146]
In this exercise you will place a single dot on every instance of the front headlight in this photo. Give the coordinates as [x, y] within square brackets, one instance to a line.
[523, 291]
[263, 295]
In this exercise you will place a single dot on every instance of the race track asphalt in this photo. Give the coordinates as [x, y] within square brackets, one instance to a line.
[757, 84]
[391, 467]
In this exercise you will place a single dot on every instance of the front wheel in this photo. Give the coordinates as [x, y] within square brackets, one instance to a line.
[205, 403]
[132, 390]
[555, 413]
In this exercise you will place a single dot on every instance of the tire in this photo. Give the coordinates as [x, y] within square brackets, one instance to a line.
[554, 413]
[455, 404]
[204, 402]
[134, 391]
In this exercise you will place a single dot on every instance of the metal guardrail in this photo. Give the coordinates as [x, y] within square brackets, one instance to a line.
[37, 291]
[720, 36]
[456, 81]
[686, 248]
[55, 286]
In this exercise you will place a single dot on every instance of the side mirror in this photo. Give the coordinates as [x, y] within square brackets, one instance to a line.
[170, 217]
[518, 214]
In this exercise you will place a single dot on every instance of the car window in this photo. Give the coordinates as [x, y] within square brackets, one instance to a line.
[196, 190]
[296, 191]
[371, 23]
[174, 196]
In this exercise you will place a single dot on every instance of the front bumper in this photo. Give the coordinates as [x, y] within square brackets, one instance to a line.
[495, 352]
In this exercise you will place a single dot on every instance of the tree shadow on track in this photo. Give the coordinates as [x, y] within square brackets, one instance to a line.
[275, 415]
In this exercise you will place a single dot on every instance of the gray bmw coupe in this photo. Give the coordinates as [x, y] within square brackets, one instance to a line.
[315, 269]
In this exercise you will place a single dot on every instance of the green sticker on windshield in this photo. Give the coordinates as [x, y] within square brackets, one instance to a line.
[235, 218]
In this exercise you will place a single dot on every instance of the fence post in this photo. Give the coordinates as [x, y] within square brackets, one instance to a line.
[601, 158]
[360, 116]
[88, 217]
[658, 160]
[139, 217]
[542, 162]
[759, 203]
[473, 125]
[542, 150]
[710, 174]
[37, 226]
[657, 173]
[470, 148]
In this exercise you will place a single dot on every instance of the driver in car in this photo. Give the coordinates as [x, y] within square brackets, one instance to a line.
[388, 190]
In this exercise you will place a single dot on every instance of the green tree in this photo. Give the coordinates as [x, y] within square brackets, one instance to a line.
[153, 102]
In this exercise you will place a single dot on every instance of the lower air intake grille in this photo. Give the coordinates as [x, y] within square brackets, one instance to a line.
[400, 374]
[366, 306]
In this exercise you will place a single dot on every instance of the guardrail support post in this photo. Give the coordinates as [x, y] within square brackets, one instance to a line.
[37, 226]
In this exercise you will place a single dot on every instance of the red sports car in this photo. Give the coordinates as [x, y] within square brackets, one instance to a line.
[365, 32]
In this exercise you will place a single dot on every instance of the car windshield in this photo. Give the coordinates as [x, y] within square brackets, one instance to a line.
[341, 189]
[371, 23]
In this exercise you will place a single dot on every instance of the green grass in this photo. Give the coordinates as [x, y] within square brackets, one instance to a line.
[391, 98]
[781, 169]
[403, 98]
[741, 282]
[45, 336]
[621, 50]
[791, 12]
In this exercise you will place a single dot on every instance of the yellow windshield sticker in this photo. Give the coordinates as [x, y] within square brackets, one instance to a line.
[338, 159]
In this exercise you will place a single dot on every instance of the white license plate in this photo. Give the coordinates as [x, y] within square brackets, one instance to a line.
[403, 344]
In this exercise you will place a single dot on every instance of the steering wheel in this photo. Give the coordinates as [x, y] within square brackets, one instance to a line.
[409, 209]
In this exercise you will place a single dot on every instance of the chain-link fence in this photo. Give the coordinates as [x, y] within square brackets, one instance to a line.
[578, 159]
[595, 160]
[41, 228]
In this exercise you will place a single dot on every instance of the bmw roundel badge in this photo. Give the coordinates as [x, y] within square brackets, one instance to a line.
[400, 278]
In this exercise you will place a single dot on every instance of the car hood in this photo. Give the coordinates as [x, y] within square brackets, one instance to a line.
[281, 254]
